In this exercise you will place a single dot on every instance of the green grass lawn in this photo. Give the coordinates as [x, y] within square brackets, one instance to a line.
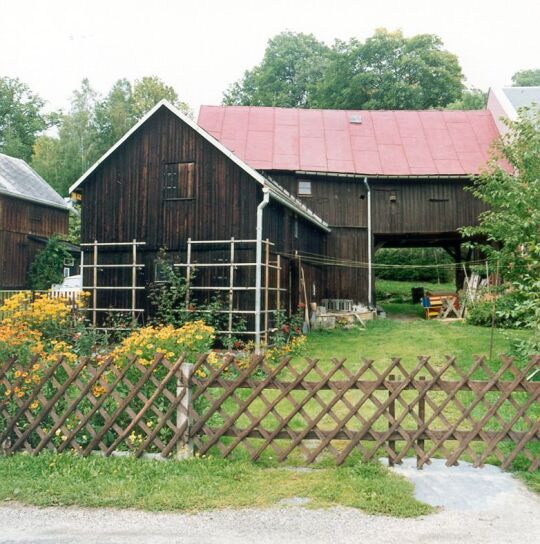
[393, 289]
[386, 338]
[199, 484]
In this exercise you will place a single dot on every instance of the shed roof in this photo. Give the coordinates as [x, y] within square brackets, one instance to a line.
[18, 180]
[377, 143]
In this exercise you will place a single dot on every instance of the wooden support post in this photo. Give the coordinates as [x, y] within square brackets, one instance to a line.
[421, 423]
[459, 273]
[266, 281]
[231, 288]
[134, 282]
[94, 284]
[81, 268]
[392, 413]
[188, 272]
[278, 283]
[184, 447]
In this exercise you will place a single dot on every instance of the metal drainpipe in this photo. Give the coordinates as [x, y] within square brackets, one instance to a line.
[370, 244]
[258, 265]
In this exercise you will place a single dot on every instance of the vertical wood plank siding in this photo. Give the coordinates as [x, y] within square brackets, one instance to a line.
[18, 219]
[123, 199]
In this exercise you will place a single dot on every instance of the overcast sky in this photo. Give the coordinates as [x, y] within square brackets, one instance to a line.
[200, 46]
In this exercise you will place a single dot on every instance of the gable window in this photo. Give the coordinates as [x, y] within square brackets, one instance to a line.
[304, 188]
[178, 180]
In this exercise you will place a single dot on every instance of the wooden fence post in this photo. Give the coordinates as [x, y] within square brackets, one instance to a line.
[421, 424]
[392, 412]
[184, 448]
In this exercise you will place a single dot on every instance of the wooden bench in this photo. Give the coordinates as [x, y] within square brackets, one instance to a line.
[433, 303]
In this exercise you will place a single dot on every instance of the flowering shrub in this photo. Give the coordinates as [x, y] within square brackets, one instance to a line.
[42, 326]
[295, 346]
[189, 339]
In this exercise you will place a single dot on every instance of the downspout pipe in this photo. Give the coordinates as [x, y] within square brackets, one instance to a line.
[370, 244]
[258, 266]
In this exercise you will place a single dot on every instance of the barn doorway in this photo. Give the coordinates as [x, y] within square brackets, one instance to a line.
[407, 271]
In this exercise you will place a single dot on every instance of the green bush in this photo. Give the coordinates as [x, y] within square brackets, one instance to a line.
[48, 265]
[510, 312]
[413, 256]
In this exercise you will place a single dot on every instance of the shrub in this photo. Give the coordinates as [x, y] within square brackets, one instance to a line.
[47, 267]
[190, 339]
[413, 256]
[40, 325]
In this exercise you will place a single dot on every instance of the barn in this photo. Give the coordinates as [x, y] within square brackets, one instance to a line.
[30, 212]
[378, 178]
[169, 185]
[275, 206]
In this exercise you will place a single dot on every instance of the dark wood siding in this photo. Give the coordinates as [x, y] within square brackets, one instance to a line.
[18, 219]
[126, 197]
[404, 211]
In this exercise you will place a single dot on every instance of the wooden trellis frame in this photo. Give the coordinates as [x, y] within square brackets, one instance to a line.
[268, 265]
[94, 266]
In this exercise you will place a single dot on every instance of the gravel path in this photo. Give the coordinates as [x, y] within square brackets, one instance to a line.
[508, 513]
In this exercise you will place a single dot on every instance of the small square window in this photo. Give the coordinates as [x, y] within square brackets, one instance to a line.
[304, 188]
[178, 180]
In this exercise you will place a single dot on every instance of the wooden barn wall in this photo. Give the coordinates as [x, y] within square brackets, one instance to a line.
[343, 204]
[423, 206]
[123, 199]
[18, 219]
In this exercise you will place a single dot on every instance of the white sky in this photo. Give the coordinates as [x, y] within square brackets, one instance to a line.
[200, 46]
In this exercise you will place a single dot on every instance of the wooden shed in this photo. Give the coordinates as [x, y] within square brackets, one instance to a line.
[30, 212]
[168, 184]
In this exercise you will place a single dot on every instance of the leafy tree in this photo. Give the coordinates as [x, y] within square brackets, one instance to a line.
[511, 188]
[471, 99]
[21, 118]
[93, 124]
[149, 90]
[526, 78]
[62, 160]
[386, 71]
[46, 160]
[390, 71]
[114, 115]
[47, 267]
[292, 65]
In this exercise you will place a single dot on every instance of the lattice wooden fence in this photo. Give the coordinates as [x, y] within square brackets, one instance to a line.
[302, 411]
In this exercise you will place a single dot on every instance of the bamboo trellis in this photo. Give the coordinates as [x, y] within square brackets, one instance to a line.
[94, 266]
[231, 265]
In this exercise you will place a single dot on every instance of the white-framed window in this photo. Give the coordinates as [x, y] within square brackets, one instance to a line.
[304, 188]
[296, 226]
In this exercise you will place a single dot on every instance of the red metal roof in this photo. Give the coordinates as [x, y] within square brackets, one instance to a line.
[393, 143]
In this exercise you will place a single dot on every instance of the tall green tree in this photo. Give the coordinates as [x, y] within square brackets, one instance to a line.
[149, 90]
[93, 124]
[21, 118]
[291, 68]
[387, 71]
[390, 71]
[526, 78]
[510, 187]
[471, 99]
